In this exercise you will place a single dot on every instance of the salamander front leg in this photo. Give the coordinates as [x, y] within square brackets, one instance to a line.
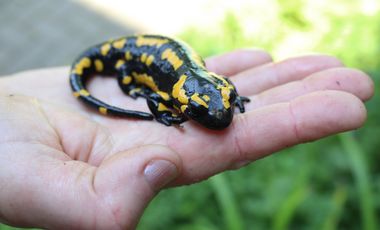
[240, 103]
[163, 114]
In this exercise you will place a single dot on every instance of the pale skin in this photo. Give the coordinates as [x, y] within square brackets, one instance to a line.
[63, 166]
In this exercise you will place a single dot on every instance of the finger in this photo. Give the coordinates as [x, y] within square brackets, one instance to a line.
[306, 118]
[127, 181]
[344, 79]
[236, 61]
[256, 80]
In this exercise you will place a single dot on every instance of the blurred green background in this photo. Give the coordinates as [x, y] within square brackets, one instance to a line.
[333, 183]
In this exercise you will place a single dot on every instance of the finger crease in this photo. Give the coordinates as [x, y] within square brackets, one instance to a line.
[104, 145]
[275, 75]
[36, 103]
[294, 123]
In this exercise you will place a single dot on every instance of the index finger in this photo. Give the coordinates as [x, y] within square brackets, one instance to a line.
[303, 119]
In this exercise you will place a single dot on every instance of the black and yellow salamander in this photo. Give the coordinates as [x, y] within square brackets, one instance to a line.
[167, 73]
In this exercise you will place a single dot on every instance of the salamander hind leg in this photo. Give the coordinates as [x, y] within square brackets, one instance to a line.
[161, 110]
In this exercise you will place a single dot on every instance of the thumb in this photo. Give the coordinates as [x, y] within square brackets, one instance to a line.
[128, 181]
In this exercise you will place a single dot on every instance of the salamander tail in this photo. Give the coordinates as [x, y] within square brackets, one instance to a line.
[81, 92]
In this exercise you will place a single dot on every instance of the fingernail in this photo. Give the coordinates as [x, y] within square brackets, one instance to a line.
[159, 173]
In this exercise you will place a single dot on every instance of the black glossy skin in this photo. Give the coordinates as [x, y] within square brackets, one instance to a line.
[169, 74]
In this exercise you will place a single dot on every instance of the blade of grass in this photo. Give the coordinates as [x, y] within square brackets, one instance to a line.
[288, 208]
[198, 224]
[227, 203]
[338, 200]
[360, 172]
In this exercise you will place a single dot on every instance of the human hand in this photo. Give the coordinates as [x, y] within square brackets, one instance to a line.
[63, 166]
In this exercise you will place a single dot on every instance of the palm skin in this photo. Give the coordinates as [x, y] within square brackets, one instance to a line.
[64, 166]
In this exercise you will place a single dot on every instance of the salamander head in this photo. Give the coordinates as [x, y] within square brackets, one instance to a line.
[210, 101]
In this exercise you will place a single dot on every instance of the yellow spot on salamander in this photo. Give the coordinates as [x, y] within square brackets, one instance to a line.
[135, 90]
[128, 56]
[179, 92]
[149, 60]
[183, 108]
[103, 110]
[119, 63]
[99, 65]
[164, 95]
[126, 80]
[162, 107]
[172, 58]
[104, 49]
[147, 41]
[119, 44]
[206, 98]
[84, 92]
[146, 80]
[225, 91]
[143, 57]
[81, 65]
[224, 81]
[195, 97]
[81, 92]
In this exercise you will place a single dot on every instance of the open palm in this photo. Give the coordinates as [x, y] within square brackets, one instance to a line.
[73, 168]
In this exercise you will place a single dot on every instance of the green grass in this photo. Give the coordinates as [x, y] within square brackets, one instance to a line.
[228, 206]
[359, 169]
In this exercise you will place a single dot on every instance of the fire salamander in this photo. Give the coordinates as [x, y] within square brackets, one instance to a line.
[167, 73]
